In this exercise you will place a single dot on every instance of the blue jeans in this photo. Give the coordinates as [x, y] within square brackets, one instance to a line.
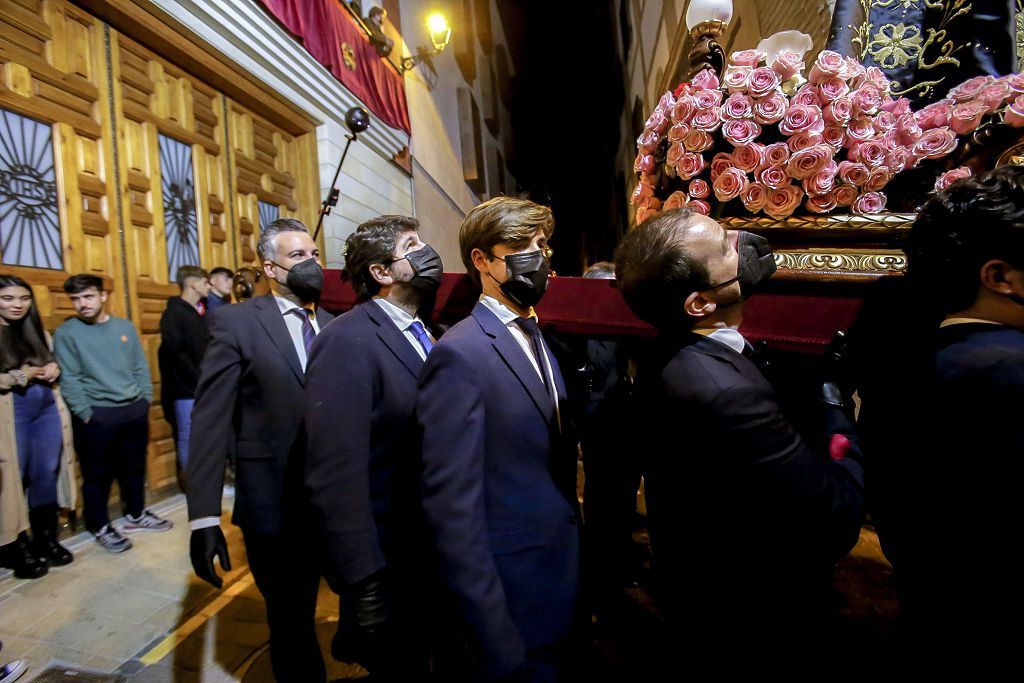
[40, 442]
[183, 417]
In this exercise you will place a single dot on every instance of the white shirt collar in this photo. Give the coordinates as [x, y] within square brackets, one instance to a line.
[505, 314]
[401, 319]
[286, 305]
[966, 321]
[724, 335]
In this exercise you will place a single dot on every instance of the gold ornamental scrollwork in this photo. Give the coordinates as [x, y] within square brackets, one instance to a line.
[884, 222]
[818, 261]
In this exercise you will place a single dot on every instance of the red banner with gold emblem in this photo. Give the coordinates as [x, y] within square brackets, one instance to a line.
[331, 35]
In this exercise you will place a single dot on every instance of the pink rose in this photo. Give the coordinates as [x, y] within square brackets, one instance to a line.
[820, 203]
[657, 122]
[698, 141]
[935, 143]
[675, 200]
[787, 64]
[770, 109]
[699, 188]
[772, 176]
[907, 130]
[748, 157]
[884, 122]
[965, 117]
[867, 99]
[994, 95]
[844, 195]
[648, 141]
[950, 177]
[719, 163]
[675, 153]
[801, 118]
[821, 182]
[776, 154]
[832, 89]
[869, 202]
[730, 184]
[707, 99]
[749, 58]
[642, 193]
[859, 130]
[707, 120]
[678, 132]
[1015, 82]
[828, 64]
[644, 163]
[666, 103]
[897, 107]
[700, 206]
[740, 132]
[875, 77]
[762, 81]
[853, 173]
[834, 136]
[783, 201]
[643, 213]
[803, 141]
[683, 109]
[935, 115]
[807, 95]
[896, 160]
[809, 161]
[838, 111]
[737, 106]
[970, 88]
[690, 165]
[871, 153]
[705, 79]
[1014, 113]
[877, 179]
[736, 78]
[855, 72]
[754, 197]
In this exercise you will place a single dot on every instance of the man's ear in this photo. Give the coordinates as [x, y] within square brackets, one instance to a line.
[480, 260]
[997, 276]
[698, 306]
[268, 270]
[382, 274]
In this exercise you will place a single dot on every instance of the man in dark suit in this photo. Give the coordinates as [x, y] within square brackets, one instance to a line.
[746, 518]
[957, 567]
[363, 442]
[498, 464]
[249, 402]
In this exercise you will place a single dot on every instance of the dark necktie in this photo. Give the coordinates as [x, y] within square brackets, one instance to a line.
[421, 336]
[532, 330]
[308, 333]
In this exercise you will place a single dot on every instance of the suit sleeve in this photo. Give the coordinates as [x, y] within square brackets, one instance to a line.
[822, 490]
[212, 419]
[338, 403]
[451, 411]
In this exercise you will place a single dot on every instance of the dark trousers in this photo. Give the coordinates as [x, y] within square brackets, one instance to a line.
[40, 442]
[112, 445]
[288, 576]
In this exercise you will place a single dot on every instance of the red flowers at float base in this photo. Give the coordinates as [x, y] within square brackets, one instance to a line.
[765, 137]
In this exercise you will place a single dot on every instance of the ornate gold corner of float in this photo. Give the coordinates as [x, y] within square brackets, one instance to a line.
[839, 265]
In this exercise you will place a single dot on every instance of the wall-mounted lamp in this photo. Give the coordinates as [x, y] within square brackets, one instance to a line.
[440, 36]
[707, 20]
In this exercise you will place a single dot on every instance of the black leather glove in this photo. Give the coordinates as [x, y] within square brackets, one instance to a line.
[204, 545]
[363, 625]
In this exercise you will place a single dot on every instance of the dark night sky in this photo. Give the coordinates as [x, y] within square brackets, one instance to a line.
[567, 97]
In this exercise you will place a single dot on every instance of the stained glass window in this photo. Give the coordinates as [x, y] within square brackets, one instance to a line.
[268, 214]
[29, 222]
[179, 193]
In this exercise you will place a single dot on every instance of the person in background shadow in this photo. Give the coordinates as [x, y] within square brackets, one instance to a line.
[362, 444]
[220, 288]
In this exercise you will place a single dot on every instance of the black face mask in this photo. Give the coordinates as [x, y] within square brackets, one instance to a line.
[527, 278]
[305, 279]
[427, 266]
[756, 264]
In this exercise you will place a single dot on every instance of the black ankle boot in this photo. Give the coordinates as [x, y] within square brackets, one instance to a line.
[44, 536]
[19, 557]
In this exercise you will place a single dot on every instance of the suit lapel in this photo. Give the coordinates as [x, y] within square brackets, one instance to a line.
[515, 357]
[393, 338]
[741, 363]
[272, 320]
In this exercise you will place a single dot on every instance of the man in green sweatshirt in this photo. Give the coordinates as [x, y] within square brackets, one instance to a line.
[105, 382]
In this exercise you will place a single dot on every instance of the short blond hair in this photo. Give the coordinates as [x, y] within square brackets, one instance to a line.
[502, 220]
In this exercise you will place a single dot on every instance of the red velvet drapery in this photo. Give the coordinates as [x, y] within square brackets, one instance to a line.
[324, 28]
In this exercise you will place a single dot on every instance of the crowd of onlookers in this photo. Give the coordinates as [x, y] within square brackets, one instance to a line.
[430, 474]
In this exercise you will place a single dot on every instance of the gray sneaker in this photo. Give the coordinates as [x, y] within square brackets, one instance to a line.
[111, 540]
[147, 521]
[13, 671]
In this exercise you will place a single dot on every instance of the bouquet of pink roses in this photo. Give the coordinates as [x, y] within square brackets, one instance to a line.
[774, 140]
